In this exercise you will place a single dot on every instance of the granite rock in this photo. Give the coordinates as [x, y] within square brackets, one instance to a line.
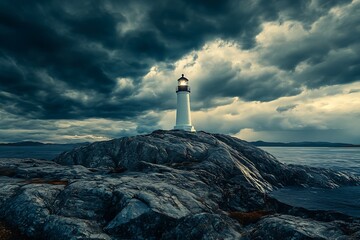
[166, 185]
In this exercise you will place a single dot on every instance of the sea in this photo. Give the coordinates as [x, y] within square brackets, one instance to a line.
[45, 152]
[344, 199]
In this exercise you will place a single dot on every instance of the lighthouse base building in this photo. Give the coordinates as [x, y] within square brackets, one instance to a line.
[183, 114]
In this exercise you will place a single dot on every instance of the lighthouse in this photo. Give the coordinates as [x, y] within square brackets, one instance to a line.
[183, 115]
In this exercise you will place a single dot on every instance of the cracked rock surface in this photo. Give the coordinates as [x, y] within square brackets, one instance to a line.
[166, 185]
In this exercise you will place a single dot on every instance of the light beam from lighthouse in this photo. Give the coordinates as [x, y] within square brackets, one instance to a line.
[183, 114]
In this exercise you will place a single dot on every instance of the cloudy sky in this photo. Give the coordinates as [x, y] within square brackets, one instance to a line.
[275, 70]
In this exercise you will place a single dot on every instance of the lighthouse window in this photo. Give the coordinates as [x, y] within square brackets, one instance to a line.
[182, 83]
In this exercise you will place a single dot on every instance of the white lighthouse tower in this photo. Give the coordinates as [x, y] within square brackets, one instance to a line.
[183, 115]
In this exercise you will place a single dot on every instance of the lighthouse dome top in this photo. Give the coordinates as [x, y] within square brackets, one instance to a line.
[183, 78]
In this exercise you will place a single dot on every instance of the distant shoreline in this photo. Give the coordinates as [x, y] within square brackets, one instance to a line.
[303, 144]
[39, 144]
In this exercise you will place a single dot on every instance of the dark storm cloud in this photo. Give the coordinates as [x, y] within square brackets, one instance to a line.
[330, 50]
[286, 108]
[354, 91]
[340, 68]
[15, 128]
[226, 80]
[60, 60]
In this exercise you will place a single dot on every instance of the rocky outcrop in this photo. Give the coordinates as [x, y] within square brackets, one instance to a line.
[165, 185]
[221, 155]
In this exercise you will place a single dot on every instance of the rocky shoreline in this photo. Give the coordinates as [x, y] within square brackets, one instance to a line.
[166, 185]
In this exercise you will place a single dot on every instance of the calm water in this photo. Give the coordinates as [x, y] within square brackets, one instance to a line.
[344, 199]
[47, 152]
[341, 159]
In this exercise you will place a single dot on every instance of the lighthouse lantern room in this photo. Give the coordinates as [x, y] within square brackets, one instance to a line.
[183, 114]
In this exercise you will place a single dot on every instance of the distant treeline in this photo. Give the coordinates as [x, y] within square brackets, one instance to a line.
[25, 143]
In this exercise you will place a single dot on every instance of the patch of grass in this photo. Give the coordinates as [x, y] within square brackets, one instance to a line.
[8, 233]
[117, 170]
[8, 172]
[246, 218]
[47, 181]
